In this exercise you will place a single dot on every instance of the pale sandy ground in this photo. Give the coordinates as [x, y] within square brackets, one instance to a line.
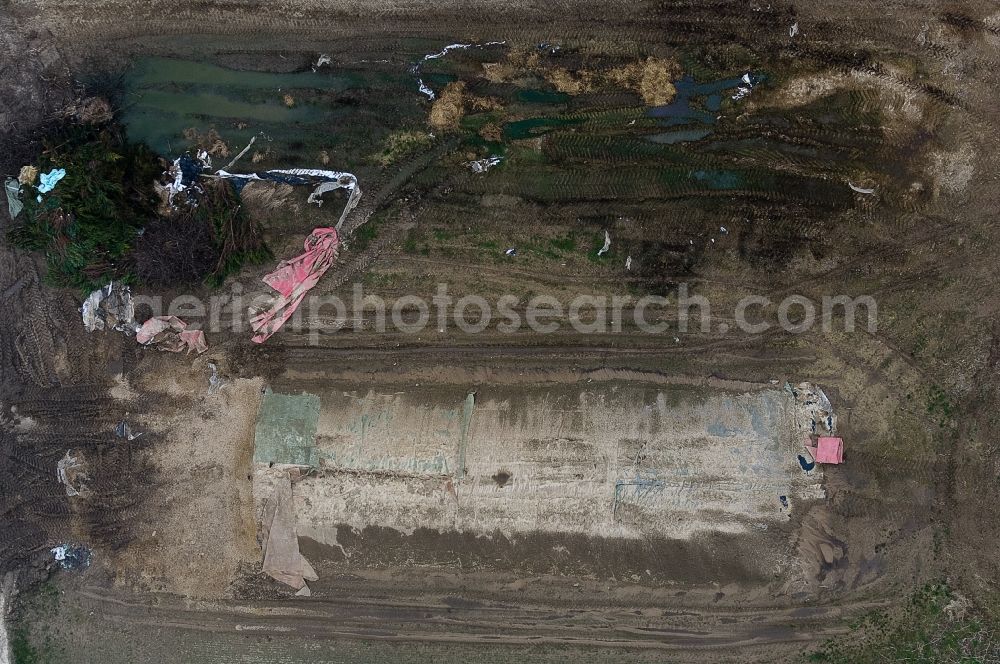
[679, 463]
[204, 529]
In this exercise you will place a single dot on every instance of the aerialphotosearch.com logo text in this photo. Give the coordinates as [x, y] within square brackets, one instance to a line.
[679, 312]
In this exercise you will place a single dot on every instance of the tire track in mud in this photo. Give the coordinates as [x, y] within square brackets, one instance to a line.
[46, 411]
[419, 620]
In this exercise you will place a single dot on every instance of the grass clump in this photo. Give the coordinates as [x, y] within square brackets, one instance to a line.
[936, 625]
[401, 144]
[87, 224]
[101, 222]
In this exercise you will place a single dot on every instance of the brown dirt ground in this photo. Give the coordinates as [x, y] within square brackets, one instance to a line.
[914, 502]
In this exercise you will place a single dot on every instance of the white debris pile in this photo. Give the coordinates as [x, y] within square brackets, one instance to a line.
[72, 556]
[483, 165]
[744, 90]
[816, 416]
[607, 244]
[72, 471]
[183, 176]
[109, 308]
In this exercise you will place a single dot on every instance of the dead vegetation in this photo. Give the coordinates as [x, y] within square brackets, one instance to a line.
[209, 141]
[651, 78]
[401, 144]
[449, 108]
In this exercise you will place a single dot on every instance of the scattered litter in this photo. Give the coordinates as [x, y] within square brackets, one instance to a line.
[784, 500]
[322, 180]
[184, 173]
[72, 556]
[321, 61]
[511, 252]
[860, 190]
[253, 139]
[794, 30]
[279, 540]
[443, 52]
[71, 472]
[14, 204]
[27, 175]
[483, 165]
[816, 408]
[293, 279]
[109, 308]
[722, 229]
[829, 449]
[215, 383]
[123, 430]
[744, 90]
[607, 244]
[170, 333]
[806, 464]
[628, 263]
[415, 69]
[49, 180]
[425, 90]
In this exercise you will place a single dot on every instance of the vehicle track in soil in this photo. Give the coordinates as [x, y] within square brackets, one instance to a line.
[758, 634]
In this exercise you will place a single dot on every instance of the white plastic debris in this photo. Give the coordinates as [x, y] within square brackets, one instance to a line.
[425, 90]
[253, 139]
[817, 416]
[607, 244]
[71, 556]
[860, 190]
[71, 472]
[123, 430]
[440, 54]
[510, 252]
[109, 308]
[321, 61]
[215, 383]
[745, 89]
[329, 181]
[14, 204]
[483, 165]
[794, 30]
[722, 229]
[628, 263]
[444, 51]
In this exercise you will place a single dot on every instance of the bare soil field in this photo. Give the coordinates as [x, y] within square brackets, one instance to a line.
[471, 495]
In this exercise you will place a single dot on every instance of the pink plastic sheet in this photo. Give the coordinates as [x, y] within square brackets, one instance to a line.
[170, 333]
[829, 450]
[293, 279]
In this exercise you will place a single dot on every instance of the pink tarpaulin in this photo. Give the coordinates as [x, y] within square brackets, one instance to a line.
[170, 333]
[293, 279]
[829, 450]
